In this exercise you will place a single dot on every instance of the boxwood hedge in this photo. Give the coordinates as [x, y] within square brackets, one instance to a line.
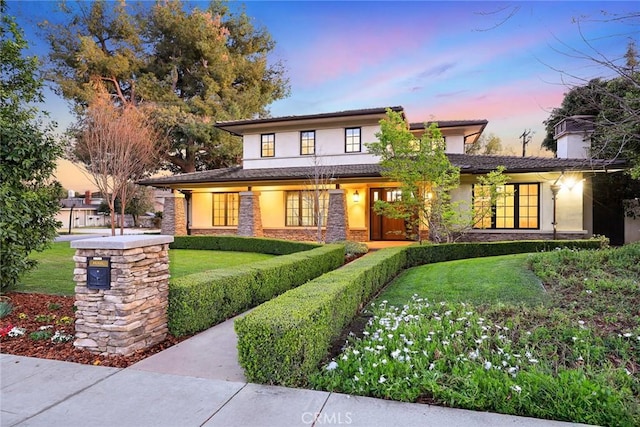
[241, 244]
[199, 301]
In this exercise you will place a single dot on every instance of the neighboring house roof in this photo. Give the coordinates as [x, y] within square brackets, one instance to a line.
[469, 164]
[76, 204]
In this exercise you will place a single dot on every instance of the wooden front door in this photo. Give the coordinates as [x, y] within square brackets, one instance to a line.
[382, 227]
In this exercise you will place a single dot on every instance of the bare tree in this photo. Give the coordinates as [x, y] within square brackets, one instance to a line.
[117, 145]
[319, 181]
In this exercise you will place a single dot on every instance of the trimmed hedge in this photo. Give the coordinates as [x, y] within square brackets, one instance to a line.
[427, 254]
[199, 301]
[284, 340]
[241, 244]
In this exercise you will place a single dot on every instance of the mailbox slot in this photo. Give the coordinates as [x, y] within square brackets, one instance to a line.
[98, 272]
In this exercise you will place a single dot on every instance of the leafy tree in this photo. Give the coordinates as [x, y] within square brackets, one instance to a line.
[614, 102]
[426, 179]
[194, 67]
[140, 201]
[486, 145]
[28, 153]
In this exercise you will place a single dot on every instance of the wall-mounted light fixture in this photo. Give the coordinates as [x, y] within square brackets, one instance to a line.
[356, 197]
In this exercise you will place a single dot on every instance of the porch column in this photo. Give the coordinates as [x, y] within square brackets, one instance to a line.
[249, 217]
[337, 218]
[174, 220]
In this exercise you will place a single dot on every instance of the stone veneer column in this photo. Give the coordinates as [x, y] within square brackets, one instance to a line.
[174, 220]
[249, 217]
[337, 218]
[132, 315]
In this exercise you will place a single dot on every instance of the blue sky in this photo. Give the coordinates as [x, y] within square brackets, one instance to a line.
[440, 60]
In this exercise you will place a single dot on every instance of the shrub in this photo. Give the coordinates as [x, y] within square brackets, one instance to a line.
[241, 244]
[199, 301]
[284, 340]
[427, 254]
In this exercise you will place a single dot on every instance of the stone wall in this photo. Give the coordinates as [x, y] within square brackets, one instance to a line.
[337, 219]
[174, 219]
[249, 217]
[132, 314]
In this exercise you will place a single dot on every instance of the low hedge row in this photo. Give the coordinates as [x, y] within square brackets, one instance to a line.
[427, 254]
[241, 244]
[199, 301]
[282, 341]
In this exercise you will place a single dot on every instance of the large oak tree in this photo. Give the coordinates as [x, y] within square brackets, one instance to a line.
[194, 67]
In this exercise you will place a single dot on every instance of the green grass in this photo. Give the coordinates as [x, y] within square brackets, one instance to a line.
[576, 358]
[54, 273]
[188, 261]
[504, 279]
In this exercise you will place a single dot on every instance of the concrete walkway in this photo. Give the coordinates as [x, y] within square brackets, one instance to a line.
[198, 383]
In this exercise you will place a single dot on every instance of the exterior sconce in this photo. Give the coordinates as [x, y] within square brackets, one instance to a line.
[356, 197]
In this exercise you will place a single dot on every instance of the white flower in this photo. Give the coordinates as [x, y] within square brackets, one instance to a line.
[445, 342]
[383, 361]
[332, 365]
[473, 355]
[533, 360]
[382, 379]
[395, 354]
[16, 331]
[589, 291]
[487, 365]
[345, 357]
[516, 388]
[627, 335]
[355, 378]
[431, 366]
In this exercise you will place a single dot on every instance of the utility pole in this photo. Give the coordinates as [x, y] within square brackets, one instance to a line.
[526, 138]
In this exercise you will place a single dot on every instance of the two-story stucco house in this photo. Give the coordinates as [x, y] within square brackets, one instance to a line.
[285, 159]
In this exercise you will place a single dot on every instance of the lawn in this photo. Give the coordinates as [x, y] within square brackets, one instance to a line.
[504, 279]
[576, 358]
[54, 274]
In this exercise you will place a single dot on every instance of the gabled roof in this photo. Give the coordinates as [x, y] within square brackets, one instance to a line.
[469, 164]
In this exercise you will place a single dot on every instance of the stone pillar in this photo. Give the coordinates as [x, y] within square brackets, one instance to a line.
[249, 217]
[132, 313]
[174, 220]
[337, 218]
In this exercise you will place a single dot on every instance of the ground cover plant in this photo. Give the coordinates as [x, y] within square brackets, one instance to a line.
[54, 273]
[573, 357]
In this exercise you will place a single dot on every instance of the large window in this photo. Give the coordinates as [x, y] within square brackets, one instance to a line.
[268, 145]
[307, 142]
[517, 207]
[304, 208]
[352, 140]
[225, 209]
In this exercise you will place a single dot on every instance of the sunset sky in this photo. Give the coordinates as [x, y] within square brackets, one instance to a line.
[499, 61]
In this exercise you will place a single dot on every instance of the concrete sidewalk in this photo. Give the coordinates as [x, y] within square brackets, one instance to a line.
[198, 382]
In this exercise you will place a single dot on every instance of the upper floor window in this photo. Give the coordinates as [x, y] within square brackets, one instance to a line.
[517, 207]
[225, 209]
[352, 140]
[307, 142]
[268, 145]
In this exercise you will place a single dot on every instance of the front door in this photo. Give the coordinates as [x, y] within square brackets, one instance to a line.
[382, 227]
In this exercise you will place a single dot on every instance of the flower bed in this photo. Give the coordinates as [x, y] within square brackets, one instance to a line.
[43, 326]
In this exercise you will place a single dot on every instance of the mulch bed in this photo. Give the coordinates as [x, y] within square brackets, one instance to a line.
[35, 311]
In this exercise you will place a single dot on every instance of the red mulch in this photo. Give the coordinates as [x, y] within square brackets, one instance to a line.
[33, 311]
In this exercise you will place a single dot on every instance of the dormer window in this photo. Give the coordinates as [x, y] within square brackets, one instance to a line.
[268, 145]
[307, 142]
[352, 141]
